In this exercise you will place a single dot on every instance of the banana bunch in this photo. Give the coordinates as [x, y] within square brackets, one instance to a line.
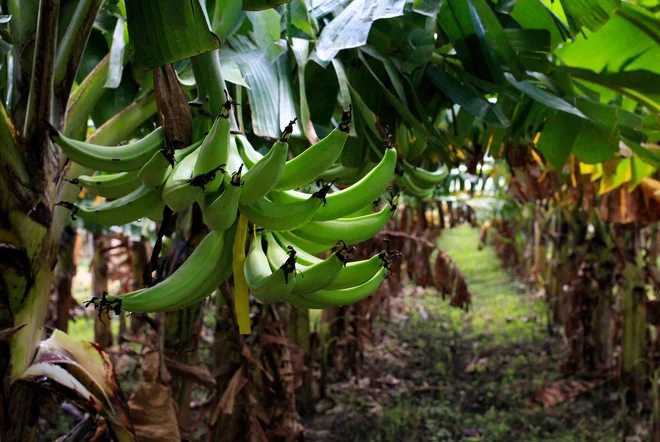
[293, 212]
[419, 182]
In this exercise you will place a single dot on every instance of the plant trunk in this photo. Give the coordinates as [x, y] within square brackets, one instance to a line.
[299, 335]
[140, 260]
[231, 426]
[633, 361]
[66, 270]
[102, 323]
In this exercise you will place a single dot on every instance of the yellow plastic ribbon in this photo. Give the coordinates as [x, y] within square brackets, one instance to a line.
[241, 292]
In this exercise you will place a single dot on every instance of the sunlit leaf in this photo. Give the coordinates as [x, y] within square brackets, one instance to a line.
[116, 65]
[557, 139]
[543, 96]
[529, 40]
[287, 110]
[351, 27]
[592, 14]
[632, 39]
[429, 8]
[533, 14]
[302, 18]
[227, 18]
[262, 78]
[325, 7]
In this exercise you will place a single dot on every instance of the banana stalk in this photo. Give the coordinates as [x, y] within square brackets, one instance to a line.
[241, 292]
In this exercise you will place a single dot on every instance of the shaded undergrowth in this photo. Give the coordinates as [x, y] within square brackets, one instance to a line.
[440, 374]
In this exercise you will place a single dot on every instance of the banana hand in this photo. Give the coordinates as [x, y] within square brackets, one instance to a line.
[265, 174]
[306, 167]
[352, 198]
[113, 185]
[124, 158]
[140, 203]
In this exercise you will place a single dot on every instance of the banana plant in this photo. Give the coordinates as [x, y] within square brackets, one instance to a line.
[311, 73]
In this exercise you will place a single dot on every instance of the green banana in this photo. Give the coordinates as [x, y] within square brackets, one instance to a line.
[339, 172]
[234, 160]
[366, 210]
[402, 143]
[304, 258]
[215, 148]
[329, 298]
[222, 273]
[300, 244]
[155, 171]
[140, 203]
[417, 145]
[349, 230]
[352, 198]
[358, 272]
[265, 174]
[425, 177]
[113, 185]
[287, 216]
[276, 258]
[182, 187]
[265, 284]
[124, 158]
[249, 154]
[191, 279]
[319, 276]
[411, 188]
[276, 255]
[219, 209]
[307, 166]
[299, 301]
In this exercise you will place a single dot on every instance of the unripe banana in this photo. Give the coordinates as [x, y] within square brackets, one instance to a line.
[402, 140]
[137, 204]
[265, 174]
[319, 276]
[423, 177]
[154, 173]
[223, 271]
[248, 153]
[182, 187]
[219, 209]
[305, 258]
[340, 173]
[352, 198]
[215, 149]
[282, 217]
[308, 246]
[113, 185]
[124, 158]
[349, 230]
[191, 279]
[329, 298]
[417, 145]
[265, 284]
[307, 166]
[358, 272]
[411, 188]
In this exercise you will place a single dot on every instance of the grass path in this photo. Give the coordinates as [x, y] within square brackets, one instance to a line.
[445, 375]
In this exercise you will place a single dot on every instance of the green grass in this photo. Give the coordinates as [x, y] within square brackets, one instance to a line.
[506, 330]
[501, 305]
